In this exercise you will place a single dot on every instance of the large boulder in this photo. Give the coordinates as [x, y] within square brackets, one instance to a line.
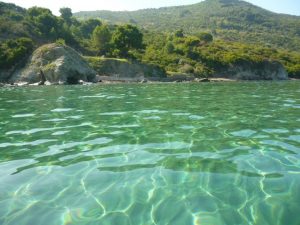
[249, 70]
[56, 64]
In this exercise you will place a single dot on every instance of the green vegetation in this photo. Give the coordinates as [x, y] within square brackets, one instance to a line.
[117, 42]
[97, 62]
[186, 44]
[12, 51]
[66, 14]
[101, 39]
[231, 20]
[23, 30]
[203, 57]
[126, 38]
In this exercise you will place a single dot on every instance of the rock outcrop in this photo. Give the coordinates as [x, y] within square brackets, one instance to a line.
[248, 70]
[122, 69]
[5, 74]
[59, 64]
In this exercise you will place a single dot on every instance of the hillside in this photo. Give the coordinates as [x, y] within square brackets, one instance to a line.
[12, 22]
[179, 40]
[231, 20]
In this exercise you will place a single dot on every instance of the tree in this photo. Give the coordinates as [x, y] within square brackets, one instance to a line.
[179, 33]
[205, 37]
[44, 20]
[192, 41]
[66, 14]
[50, 27]
[101, 38]
[47, 24]
[169, 47]
[294, 71]
[87, 27]
[127, 37]
[36, 11]
[14, 51]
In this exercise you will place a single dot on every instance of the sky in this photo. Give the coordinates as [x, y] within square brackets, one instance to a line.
[279, 6]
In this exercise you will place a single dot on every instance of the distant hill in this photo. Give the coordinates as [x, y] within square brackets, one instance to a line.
[232, 20]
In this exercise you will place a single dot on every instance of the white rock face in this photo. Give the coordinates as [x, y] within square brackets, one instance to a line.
[60, 64]
[266, 70]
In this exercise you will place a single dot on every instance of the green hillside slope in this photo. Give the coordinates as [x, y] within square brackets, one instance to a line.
[12, 22]
[203, 39]
[231, 20]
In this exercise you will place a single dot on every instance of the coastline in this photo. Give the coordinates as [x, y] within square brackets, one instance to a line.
[142, 81]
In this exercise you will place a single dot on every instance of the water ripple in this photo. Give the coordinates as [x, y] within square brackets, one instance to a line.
[62, 110]
[138, 154]
[23, 115]
[33, 143]
[36, 130]
[243, 133]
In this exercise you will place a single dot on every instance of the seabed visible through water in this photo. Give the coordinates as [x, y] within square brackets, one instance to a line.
[151, 154]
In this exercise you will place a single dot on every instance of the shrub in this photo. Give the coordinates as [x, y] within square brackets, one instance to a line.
[12, 51]
[60, 41]
[294, 71]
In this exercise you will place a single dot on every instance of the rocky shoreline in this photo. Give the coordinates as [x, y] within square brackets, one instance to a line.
[144, 81]
[55, 64]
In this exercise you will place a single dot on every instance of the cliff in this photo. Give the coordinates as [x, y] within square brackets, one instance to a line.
[122, 69]
[249, 70]
[58, 63]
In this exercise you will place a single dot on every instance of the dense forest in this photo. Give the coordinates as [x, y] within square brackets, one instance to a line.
[231, 20]
[187, 47]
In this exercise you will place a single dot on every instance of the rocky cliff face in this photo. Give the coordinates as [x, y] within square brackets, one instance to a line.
[58, 63]
[265, 70]
[5, 74]
[123, 69]
[62, 64]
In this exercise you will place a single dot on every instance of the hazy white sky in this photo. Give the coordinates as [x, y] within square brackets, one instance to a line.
[281, 6]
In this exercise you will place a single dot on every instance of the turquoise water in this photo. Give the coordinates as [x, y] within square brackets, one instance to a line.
[151, 154]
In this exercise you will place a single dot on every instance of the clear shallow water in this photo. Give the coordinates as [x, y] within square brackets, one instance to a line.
[209, 154]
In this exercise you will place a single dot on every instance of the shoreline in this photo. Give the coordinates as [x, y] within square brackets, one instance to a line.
[142, 81]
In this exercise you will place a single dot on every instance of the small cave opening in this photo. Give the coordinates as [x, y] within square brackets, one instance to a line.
[74, 79]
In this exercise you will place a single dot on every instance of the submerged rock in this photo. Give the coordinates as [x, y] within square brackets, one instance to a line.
[57, 64]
